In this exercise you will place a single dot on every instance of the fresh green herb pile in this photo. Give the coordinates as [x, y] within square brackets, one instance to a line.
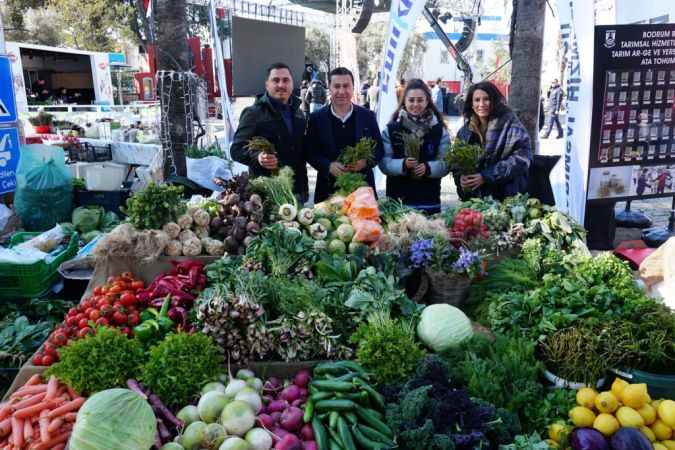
[348, 182]
[363, 150]
[463, 158]
[101, 361]
[154, 206]
[196, 152]
[276, 190]
[412, 145]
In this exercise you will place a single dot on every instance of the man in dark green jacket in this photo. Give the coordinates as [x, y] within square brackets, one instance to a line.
[275, 116]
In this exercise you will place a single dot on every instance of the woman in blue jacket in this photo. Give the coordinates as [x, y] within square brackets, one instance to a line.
[416, 181]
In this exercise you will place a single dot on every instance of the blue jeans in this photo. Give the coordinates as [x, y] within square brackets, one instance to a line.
[553, 119]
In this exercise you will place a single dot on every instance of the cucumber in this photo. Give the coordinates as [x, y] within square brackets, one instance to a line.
[345, 434]
[335, 405]
[320, 434]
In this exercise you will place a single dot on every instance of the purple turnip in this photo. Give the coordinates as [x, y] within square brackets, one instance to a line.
[265, 421]
[303, 393]
[302, 378]
[290, 393]
[297, 402]
[289, 442]
[278, 434]
[291, 419]
[276, 417]
[272, 386]
[309, 445]
[306, 432]
[277, 406]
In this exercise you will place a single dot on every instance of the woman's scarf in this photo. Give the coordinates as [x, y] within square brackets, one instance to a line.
[418, 125]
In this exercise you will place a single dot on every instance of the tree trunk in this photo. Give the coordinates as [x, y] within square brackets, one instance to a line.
[173, 54]
[527, 42]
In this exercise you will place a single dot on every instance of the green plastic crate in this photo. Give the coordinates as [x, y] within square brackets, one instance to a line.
[32, 280]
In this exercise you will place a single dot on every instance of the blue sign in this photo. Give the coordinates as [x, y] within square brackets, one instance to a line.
[7, 99]
[9, 158]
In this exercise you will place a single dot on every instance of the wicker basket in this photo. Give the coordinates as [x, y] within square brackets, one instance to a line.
[417, 286]
[447, 288]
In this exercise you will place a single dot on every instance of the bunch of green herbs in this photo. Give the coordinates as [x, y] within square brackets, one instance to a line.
[463, 158]
[151, 208]
[364, 150]
[348, 182]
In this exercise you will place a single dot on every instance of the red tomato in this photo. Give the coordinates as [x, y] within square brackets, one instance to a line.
[127, 275]
[83, 323]
[111, 280]
[72, 312]
[94, 315]
[134, 319]
[59, 338]
[137, 285]
[116, 288]
[127, 331]
[119, 318]
[47, 360]
[98, 290]
[102, 321]
[107, 310]
[49, 349]
[71, 321]
[37, 359]
[84, 332]
[128, 299]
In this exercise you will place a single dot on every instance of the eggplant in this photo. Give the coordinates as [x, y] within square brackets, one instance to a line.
[216, 222]
[588, 439]
[630, 439]
[231, 244]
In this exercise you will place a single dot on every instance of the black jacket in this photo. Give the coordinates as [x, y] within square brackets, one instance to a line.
[262, 119]
[320, 147]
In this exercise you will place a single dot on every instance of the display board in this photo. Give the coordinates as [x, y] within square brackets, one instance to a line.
[9, 131]
[632, 153]
[256, 45]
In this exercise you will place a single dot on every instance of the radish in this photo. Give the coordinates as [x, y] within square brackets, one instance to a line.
[306, 432]
[309, 445]
[289, 442]
[265, 421]
[276, 416]
[302, 378]
[291, 419]
[278, 434]
[277, 406]
[303, 393]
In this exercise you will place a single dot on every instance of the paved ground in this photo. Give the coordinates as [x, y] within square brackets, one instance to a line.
[658, 210]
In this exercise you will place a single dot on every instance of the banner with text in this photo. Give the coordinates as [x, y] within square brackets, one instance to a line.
[402, 18]
[568, 178]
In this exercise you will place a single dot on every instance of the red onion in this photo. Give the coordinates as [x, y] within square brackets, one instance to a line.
[289, 442]
[309, 445]
[302, 378]
[292, 392]
[272, 386]
[277, 406]
[306, 432]
[276, 416]
[265, 421]
[291, 419]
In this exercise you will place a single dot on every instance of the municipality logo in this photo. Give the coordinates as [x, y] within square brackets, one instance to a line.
[610, 38]
[5, 154]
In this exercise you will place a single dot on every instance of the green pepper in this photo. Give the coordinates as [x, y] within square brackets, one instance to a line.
[149, 314]
[146, 330]
[164, 321]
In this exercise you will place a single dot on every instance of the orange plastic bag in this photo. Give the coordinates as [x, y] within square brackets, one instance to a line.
[367, 231]
[361, 204]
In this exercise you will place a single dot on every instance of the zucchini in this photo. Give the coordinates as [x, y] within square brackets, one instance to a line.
[333, 386]
[320, 434]
[370, 419]
[345, 434]
[335, 405]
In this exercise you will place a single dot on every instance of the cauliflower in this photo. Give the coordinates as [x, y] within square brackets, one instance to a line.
[174, 248]
[185, 222]
[172, 229]
[192, 247]
[213, 247]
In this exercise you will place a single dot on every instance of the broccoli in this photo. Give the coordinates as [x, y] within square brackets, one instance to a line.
[441, 442]
[416, 437]
[433, 368]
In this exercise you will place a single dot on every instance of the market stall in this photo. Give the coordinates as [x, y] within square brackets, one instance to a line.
[489, 325]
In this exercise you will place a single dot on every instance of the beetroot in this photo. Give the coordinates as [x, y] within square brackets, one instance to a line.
[289, 442]
[277, 406]
[306, 432]
[290, 393]
[291, 419]
[265, 421]
[309, 445]
[302, 378]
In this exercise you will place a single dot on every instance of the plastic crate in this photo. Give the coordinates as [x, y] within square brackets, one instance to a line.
[32, 280]
[109, 200]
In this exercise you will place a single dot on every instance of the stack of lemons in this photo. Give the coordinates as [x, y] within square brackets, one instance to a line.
[626, 405]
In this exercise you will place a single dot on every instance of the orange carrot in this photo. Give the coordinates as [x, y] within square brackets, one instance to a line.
[70, 417]
[33, 410]
[59, 447]
[30, 401]
[5, 427]
[72, 405]
[44, 424]
[27, 430]
[5, 411]
[35, 379]
[71, 392]
[52, 388]
[17, 431]
[53, 442]
[35, 389]
[55, 424]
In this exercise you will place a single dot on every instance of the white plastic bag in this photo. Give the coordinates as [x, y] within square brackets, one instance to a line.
[203, 170]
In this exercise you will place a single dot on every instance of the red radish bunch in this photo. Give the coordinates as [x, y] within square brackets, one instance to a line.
[468, 224]
[115, 304]
[282, 413]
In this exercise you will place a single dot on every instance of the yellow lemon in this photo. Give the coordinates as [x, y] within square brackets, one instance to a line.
[628, 417]
[606, 424]
[606, 402]
[556, 430]
[661, 430]
[648, 413]
[656, 403]
[666, 411]
[582, 416]
[586, 397]
[659, 446]
[635, 395]
[618, 386]
[649, 433]
[670, 445]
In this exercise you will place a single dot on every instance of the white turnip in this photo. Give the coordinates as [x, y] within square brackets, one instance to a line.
[259, 439]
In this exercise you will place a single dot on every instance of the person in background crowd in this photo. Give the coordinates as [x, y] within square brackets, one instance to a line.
[416, 182]
[336, 126]
[373, 95]
[364, 95]
[308, 75]
[275, 116]
[555, 96]
[541, 113]
[399, 89]
[316, 95]
[62, 96]
[489, 123]
[437, 95]
[304, 106]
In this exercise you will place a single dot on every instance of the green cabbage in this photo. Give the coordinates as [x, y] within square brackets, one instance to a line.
[87, 218]
[115, 419]
[443, 326]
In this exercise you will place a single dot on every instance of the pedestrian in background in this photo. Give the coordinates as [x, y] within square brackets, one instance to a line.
[438, 95]
[555, 96]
